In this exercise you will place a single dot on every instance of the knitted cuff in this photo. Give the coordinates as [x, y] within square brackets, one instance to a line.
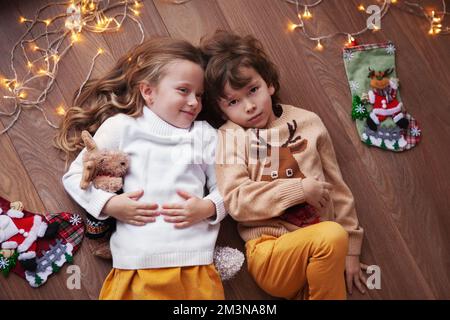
[97, 203]
[354, 244]
[221, 213]
[291, 193]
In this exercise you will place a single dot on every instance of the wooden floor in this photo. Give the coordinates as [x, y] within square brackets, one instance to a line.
[402, 199]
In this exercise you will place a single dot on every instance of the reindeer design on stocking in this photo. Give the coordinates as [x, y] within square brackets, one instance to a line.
[280, 163]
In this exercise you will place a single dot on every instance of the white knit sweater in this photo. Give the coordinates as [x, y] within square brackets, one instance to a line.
[163, 159]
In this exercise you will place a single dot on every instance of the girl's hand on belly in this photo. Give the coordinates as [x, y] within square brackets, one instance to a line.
[126, 208]
[185, 214]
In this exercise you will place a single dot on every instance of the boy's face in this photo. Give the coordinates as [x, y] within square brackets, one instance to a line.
[250, 106]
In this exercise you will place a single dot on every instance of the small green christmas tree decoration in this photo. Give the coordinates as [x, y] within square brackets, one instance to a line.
[7, 264]
[368, 142]
[359, 110]
[55, 268]
[38, 280]
[396, 146]
[69, 258]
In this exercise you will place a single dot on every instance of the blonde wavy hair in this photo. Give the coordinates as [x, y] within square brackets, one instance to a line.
[118, 90]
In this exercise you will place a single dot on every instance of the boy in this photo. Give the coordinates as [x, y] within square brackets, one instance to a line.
[277, 171]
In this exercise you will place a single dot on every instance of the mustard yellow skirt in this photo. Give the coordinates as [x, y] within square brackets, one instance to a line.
[180, 283]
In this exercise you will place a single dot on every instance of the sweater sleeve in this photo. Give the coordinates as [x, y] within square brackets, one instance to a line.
[92, 199]
[343, 201]
[246, 199]
[209, 151]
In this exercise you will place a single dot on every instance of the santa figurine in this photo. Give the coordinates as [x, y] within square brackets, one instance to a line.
[20, 232]
[383, 98]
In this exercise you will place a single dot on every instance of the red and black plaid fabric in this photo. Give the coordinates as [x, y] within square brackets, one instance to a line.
[364, 47]
[71, 227]
[413, 134]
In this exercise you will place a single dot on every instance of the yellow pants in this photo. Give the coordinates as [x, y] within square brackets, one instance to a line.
[307, 263]
[180, 283]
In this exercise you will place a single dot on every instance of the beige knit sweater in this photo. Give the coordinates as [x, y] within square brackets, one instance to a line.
[259, 179]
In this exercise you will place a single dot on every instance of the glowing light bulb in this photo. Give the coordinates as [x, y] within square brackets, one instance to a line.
[22, 19]
[100, 51]
[292, 26]
[319, 46]
[306, 13]
[60, 111]
[75, 37]
[47, 22]
[29, 65]
[361, 8]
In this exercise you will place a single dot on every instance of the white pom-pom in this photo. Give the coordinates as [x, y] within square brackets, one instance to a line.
[228, 261]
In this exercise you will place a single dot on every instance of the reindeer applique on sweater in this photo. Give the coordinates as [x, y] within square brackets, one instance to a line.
[303, 214]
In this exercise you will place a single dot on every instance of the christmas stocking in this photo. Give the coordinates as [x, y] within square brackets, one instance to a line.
[35, 246]
[381, 117]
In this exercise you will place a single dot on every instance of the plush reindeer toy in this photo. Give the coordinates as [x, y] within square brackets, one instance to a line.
[105, 169]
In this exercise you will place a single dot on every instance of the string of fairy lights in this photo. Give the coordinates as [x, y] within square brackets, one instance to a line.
[304, 12]
[42, 54]
[63, 31]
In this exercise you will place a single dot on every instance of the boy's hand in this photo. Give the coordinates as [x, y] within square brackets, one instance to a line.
[185, 214]
[353, 274]
[126, 208]
[317, 193]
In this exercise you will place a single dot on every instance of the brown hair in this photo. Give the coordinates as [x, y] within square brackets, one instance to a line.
[226, 53]
[118, 90]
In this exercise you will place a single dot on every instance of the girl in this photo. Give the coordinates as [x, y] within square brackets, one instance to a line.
[146, 106]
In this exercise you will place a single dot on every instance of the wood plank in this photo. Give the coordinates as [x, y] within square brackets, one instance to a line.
[191, 20]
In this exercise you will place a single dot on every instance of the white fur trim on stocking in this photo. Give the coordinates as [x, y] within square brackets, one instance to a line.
[27, 255]
[42, 229]
[7, 228]
[9, 245]
[14, 213]
[32, 234]
[387, 112]
[374, 118]
[398, 117]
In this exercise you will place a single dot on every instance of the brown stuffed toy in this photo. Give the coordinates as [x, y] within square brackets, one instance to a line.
[105, 169]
